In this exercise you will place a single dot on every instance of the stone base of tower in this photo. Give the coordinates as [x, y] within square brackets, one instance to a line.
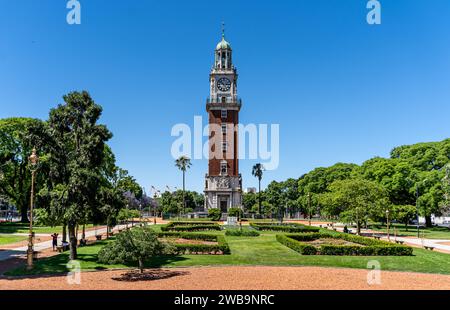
[223, 192]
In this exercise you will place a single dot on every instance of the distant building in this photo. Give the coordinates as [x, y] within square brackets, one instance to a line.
[250, 190]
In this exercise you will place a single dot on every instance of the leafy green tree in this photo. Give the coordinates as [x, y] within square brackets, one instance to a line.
[183, 163]
[404, 214]
[248, 201]
[356, 200]
[76, 158]
[257, 172]
[236, 212]
[136, 245]
[18, 136]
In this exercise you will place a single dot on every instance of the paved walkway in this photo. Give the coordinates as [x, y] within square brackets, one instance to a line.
[20, 251]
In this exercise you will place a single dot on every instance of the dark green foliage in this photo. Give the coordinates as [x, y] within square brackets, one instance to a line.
[370, 247]
[242, 233]
[236, 212]
[190, 226]
[221, 248]
[288, 227]
[214, 214]
[133, 246]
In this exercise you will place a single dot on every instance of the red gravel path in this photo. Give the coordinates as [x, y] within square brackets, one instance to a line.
[237, 278]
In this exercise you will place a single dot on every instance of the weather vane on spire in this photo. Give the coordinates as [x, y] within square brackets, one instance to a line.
[223, 29]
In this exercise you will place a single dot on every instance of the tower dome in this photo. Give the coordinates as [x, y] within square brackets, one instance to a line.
[223, 45]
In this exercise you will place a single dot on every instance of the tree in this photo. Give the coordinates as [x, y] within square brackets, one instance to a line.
[248, 201]
[257, 172]
[404, 214]
[183, 163]
[136, 245]
[76, 157]
[356, 200]
[18, 136]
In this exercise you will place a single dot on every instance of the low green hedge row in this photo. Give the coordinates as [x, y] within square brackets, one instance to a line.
[289, 227]
[241, 233]
[189, 228]
[191, 223]
[221, 248]
[371, 247]
[186, 235]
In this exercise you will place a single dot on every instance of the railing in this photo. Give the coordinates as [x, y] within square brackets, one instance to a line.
[229, 100]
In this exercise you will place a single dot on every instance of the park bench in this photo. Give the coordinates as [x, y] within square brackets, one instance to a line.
[429, 248]
[377, 237]
[399, 241]
[62, 248]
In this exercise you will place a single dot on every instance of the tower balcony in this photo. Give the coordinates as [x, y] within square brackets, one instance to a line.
[224, 103]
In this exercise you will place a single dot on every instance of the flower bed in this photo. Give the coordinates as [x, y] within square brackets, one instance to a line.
[220, 248]
[287, 227]
[363, 246]
[190, 226]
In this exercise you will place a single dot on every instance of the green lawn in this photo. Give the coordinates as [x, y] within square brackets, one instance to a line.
[7, 239]
[429, 233]
[263, 250]
[20, 228]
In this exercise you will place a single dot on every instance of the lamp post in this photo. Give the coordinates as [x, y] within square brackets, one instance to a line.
[33, 159]
[387, 223]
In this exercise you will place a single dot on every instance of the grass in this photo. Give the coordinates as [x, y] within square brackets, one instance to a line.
[23, 228]
[262, 251]
[428, 233]
[8, 239]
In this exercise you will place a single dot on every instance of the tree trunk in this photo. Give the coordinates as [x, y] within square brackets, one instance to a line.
[64, 233]
[184, 202]
[259, 197]
[358, 228]
[83, 236]
[73, 241]
[428, 221]
[24, 214]
[141, 265]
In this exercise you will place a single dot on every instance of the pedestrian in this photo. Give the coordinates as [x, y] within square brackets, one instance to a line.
[54, 241]
[346, 229]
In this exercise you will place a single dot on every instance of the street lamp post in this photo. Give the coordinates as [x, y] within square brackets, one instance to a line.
[33, 159]
[387, 223]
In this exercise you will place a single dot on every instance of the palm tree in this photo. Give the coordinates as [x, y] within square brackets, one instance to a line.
[257, 172]
[183, 163]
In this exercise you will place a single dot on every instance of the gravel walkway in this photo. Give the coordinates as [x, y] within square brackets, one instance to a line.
[236, 278]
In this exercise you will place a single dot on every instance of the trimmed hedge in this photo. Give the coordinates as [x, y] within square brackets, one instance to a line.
[186, 249]
[288, 227]
[370, 247]
[190, 226]
[241, 233]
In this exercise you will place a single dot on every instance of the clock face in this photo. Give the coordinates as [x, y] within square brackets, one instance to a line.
[224, 84]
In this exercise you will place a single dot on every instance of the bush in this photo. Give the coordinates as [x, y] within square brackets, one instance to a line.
[235, 212]
[214, 214]
[289, 227]
[133, 246]
[370, 247]
[241, 233]
[221, 247]
[190, 226]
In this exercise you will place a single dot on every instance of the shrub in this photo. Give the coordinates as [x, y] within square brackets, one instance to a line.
[370, 247]
[214, 214]
[241, 233]
[221, 247]
[235, 212]
[288, 227]
[133, 246]
[190, 226]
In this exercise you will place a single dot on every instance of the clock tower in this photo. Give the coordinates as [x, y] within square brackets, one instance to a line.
[223, 184]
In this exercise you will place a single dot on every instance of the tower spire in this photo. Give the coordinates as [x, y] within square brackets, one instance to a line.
[223, 30]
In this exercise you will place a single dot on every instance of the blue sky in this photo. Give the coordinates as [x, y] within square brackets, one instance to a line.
[341, 90]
